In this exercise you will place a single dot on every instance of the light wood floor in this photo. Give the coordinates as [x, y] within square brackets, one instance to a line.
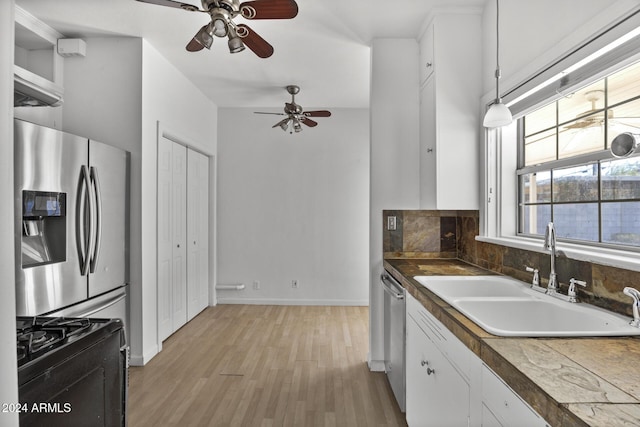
[247, 365]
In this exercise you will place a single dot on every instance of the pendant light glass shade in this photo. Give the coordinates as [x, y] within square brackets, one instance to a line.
[498, 114]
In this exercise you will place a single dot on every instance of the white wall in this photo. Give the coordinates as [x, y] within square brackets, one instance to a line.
[395, 168]
[293, 206]
[8, 363]
[117, 94]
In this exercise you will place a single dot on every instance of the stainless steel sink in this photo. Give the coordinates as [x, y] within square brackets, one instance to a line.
[507, 307]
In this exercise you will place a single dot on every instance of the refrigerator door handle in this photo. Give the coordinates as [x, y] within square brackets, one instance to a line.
[95, 180]
[82, 240]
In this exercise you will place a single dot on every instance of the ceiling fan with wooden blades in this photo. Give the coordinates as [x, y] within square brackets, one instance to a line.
[222, 13]
[296, 116]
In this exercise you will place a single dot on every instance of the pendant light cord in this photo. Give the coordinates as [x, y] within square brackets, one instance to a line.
[498, 72]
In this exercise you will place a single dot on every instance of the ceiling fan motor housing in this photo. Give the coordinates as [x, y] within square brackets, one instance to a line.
[229, 5]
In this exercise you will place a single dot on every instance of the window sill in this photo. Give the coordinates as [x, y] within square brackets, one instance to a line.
[605, 256]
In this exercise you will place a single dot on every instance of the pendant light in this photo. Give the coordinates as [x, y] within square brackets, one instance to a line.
[498, 114]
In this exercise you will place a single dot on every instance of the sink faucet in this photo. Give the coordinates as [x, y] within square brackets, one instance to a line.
[633, 293]
[550, 245]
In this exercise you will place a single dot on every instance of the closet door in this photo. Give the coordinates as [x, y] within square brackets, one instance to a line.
[197, 233]
[172, 255]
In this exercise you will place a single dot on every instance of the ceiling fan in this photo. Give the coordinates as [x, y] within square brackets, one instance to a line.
[295, 114]
[222, 13]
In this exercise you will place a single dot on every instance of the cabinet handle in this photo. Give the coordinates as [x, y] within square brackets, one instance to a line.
[429, 370]
[178, 245]
[429, 64]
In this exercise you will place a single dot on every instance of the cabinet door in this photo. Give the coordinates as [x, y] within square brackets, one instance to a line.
[428, 133]
[198, 233]
[437, 395]
[427, 56]
[501, 404]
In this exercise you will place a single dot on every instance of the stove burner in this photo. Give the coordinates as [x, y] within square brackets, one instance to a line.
[38, 334]
[36, 337]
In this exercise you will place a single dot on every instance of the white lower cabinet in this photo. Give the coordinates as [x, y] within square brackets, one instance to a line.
[439, 371]
[437, 395]
[448, 385]
[502, 407]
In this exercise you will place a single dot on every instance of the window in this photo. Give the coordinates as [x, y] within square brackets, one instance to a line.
[566, 173]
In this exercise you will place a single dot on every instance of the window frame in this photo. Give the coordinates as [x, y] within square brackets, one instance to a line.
[499, 158]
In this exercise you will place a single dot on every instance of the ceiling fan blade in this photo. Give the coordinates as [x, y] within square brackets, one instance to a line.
[280, 123]
[269, 9]
[253, 41]
[263, 112]
[307, 121]
[176, 4]
[318, 113]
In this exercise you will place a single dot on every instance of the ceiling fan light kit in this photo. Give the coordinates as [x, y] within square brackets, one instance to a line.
[498, 114]
[296, 116]
[222, 13]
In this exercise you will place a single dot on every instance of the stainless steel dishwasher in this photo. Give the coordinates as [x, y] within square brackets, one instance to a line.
[394, 336]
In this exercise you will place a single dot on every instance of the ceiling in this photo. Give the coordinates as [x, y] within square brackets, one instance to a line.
[325, 49]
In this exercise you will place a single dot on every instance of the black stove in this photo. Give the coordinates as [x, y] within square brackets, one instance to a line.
[71, 371]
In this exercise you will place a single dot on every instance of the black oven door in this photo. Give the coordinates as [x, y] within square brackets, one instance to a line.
[84, 390]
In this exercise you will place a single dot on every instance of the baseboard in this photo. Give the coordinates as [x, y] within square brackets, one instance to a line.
[280, 301]
[376, 365]
[141, 360]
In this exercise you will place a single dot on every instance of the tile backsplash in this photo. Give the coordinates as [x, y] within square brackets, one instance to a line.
[451, 234]
[421, 234]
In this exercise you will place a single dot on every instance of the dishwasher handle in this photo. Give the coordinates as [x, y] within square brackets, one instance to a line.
[391, 287]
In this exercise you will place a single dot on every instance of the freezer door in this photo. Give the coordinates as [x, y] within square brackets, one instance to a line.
[109, 177]
[48, 160]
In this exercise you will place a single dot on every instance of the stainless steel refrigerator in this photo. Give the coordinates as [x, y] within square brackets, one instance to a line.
[71, 223]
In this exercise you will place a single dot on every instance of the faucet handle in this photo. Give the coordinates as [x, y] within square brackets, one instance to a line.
[536, 275]
[572, 286]
[635, 294]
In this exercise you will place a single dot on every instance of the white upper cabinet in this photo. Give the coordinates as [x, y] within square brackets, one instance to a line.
[36, 56]
[450, 69]
[427, 64]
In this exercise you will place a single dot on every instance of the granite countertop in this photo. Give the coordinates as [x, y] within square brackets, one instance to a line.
[568, 381]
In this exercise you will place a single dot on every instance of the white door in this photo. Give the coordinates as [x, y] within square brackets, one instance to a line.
[197, 233]
[179, 231]
[171, 275]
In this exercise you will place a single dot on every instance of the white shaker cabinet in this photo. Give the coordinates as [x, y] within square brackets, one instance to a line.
[502, 407]
[437, 395]
[427, 64]
[448, 385]
[438, 370]
[450, 128]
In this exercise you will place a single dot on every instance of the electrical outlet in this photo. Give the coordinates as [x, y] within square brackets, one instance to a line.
[391, 223]
[294, 284]
[256, 284]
